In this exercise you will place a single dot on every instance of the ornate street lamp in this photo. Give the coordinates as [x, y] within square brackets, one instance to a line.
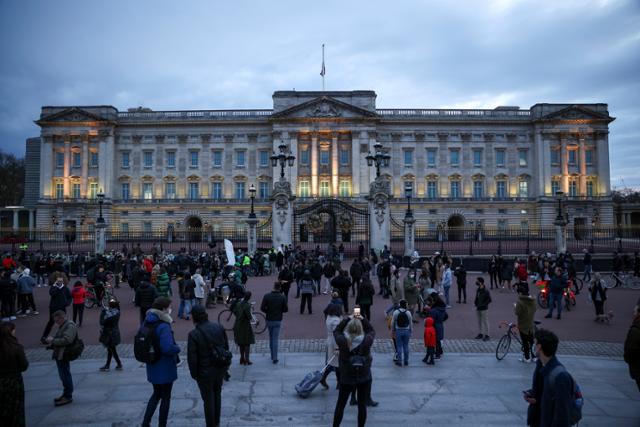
[252, 196]
[283, 158]
[559, 216]
[100, 197]
[408, 191]
[378, 158]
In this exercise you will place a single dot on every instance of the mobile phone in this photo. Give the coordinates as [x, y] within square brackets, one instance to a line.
[356, 311]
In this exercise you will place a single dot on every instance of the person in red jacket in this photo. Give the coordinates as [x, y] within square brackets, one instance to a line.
[148, 264]
[79, 294]
[8, 263]
[429, 341]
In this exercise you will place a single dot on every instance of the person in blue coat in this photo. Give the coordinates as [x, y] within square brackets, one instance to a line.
[438, 311]
[164, 372]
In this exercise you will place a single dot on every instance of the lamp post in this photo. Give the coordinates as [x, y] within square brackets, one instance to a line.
[378, 158]
[408, 191]
[252, 196]
[283, 158]
[441, 226]
[252, 222]
[101, 241]
[409, 221]
[100, 197]
[561, 224]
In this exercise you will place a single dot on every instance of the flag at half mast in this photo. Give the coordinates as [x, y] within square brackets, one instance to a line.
[322, 70]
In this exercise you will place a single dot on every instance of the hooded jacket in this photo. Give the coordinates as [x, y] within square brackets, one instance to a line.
[429, 333]
[363, 344]
[525, 310]
[165, 370]
[632, 349]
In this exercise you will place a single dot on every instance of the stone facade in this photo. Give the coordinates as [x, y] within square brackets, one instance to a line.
[478, 168]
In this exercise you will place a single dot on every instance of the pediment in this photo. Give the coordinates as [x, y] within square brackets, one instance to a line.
[71, 115]
[324, 107]
[576, 113]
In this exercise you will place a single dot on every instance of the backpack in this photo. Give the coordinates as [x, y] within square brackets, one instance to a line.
[357, 366]
[146, 347]
[220, 356]
[577, 401]
[402, 321]
[73, 350]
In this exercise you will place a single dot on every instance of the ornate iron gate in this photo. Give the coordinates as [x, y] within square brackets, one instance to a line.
[330, 221]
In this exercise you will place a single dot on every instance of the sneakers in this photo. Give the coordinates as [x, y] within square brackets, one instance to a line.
[486, 338]
[119, 368]
[62, 401]
[104, 369]
[479, 336]
[36, 313]
[523, 360]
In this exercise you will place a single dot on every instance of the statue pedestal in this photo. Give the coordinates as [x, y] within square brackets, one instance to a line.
[101, 238]
[282, 214]
[409, 235]
[379, 217]
[252, 236]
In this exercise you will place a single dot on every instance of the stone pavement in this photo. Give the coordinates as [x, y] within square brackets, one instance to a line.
[462, 389]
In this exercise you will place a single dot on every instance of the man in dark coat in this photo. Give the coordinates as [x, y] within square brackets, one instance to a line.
[341, 283]
[632, 346]
[145, 295]
[356, 272]
[209, 377]
[60, 300]
[274, 304]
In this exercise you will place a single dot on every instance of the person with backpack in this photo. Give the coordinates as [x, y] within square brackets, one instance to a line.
[274, 304]
[64, 338]
[402, 327]
[209, 359]
[354, 337]
[110, 333]
[154, 345]
[560, 397]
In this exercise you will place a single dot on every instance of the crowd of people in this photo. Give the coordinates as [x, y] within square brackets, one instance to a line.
[416, 293]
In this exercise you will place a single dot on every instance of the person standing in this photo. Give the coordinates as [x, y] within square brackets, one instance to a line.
[598, 296]
[341, 284]
[242, 330]
[60, 299]
[356, 274]
[65, 336]
[482, 301]
[328, 271]
[632, 346]
[429, 341]
[163, 372]
[557, 285]
[411, 290]
[163, 283]
[587, 265]
[402, 328]
[493, 271]
[525, 310]
[274, 304]
[8, 289]
[202, 367]
[13, 362]
[110, 333]
[200, 286]
[307, 288]
[447, 280]
[26, 283]
[145, 296]
[461, 280]
[354, 337]
[334, 317]
[78, 294]
[364, 297]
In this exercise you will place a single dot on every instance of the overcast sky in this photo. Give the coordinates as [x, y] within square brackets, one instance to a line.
[175, 55]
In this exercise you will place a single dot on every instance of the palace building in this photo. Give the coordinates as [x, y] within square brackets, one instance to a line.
[192, 169]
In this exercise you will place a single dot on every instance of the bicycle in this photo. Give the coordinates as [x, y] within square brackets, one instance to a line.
[568, 296]
[258, 320]
[504, 344]
[91, 300]
[621, 279]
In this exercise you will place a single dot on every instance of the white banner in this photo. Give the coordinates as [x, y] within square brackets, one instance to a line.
[228, 248]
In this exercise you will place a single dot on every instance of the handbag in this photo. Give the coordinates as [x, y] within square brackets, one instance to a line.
[73, 350]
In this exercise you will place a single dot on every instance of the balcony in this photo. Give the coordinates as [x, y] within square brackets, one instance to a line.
[453, 114]
[141, 201]
[194, 115]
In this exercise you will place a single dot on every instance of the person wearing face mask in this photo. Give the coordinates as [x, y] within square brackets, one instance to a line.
[164, 372]
[60, 299]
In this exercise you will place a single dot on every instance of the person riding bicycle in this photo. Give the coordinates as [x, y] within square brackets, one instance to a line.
[97, 277]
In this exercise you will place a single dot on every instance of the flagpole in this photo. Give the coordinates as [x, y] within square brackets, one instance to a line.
[323, 69]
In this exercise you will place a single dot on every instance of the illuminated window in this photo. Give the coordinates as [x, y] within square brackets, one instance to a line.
[93, 190]
[147, 191]
[523, 158]
[59, 190]
[523, 189]
[170, 190]
[75, 191]
[345, 188]
[324, 189]
[304, 188]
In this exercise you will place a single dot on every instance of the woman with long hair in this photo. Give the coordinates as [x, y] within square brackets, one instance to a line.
[13, 362]
[334, 316]
[242, 330]
[110, 333]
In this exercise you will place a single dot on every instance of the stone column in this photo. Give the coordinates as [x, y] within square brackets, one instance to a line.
[16, 219]
[252, 235]
[409, 235]
[379, 218]
[583, 168]
[561, 235]
[32, 218]
[46, 166]
[314, 165]
[282, 216]
[84, 183]
[355, 166]
[293, 145]
[602, 146]
[67, 166]
[564, 162]
[101, 238]
[335, 165]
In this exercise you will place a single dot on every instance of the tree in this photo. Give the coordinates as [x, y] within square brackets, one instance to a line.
[11, 179]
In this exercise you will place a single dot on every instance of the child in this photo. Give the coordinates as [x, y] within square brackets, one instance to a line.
[389, 317]
[429, 340]
[78, 293]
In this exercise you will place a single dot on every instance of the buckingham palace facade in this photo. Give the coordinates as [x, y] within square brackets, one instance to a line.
[498, 167]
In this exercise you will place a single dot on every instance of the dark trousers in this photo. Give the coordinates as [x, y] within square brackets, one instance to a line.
[64, 372]
[599, 306]
[211, 391]
[384, 285]
[428, 358]
[143, 313]
[366, 311]
[112, 352]
[438, 348]
[462, 292]
[527, 344]
[162, 394]
[344, 296]
[306, 298]
[493, 278]
[8, 305]
[362, 397]
[47, 328]
[78, 311]
[355, 282]
[26, 302]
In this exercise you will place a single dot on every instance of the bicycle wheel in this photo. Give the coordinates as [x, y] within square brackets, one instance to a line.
[89, 302]
[578, 283]
[226, 319]
[633, 282]
[609, 281]
[542, 301]
[503, 346]
[259, 323]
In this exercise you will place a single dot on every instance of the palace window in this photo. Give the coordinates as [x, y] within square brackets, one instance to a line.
[478, 189]
[304, 157]
[555, 186]
[523, 188]
[125, 190]
[216, 190]
[59, 159]
[147, 159]
[124, 228]
[501, 189]
[324, 157]
[170, 190]
[477, 157]
[324, 189]
[455, 189]
[75, 191]
[93, 190]
[193, 156]
[344, 157]
[573, 188]
[454, 157]
[523, 158]
[147, 227]
[93, 159]
[572, 157]
[125, 159]
[431, 157]
[264, 158]
[589, 188]
[171, 159]
[588, 157]
[555, 156]
[77, 159]
[194, 190]
[432, 189]
[304, 188]
[147, 190]
[500, 157]
[345, 188]
[408, 157]
[216, 158]
[240, 158]
[240, 190]
[502, 225]
[264, 189]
